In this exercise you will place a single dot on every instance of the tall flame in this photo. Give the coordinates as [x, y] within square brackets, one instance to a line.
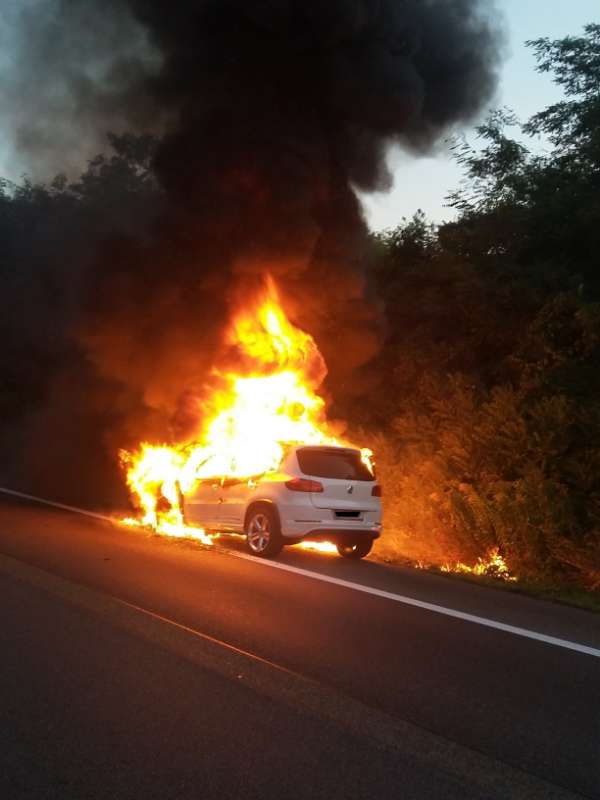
[269, 401]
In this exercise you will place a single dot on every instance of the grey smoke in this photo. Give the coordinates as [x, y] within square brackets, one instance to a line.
[271, 111]
[69, 72]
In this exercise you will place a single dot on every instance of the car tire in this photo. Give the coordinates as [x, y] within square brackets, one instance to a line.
[356, 550]
[263, 532]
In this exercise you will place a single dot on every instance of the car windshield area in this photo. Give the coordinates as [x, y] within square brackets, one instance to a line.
[323, 462]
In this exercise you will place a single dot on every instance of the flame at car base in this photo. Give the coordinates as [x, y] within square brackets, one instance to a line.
[177, 529]
[269, 400]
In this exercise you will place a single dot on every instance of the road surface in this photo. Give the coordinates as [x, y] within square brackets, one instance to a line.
[135, 666]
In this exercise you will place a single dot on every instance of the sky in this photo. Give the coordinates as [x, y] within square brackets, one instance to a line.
[423, 183]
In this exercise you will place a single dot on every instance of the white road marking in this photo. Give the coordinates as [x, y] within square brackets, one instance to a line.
[58, 505]
[359, 587]
[205, 636]
[411, 601]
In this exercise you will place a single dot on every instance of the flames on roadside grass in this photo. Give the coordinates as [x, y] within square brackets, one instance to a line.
[271, 399]
[492, 566]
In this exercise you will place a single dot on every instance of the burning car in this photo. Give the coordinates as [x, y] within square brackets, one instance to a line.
[285, 473]
[318, 493]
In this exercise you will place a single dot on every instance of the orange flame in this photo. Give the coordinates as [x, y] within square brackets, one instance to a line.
[270, 402]
[493, 566]
[319, 547]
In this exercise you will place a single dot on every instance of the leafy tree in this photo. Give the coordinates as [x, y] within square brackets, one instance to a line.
[540, 210]
[49, 238]
[489, 419]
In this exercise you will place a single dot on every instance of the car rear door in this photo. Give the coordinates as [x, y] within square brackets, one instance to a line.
[202, 505]
[235, 496]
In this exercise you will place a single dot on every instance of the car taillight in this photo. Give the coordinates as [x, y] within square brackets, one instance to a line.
[376, 491]
[304, 485]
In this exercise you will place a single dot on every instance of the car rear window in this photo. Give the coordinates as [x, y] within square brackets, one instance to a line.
[346, 465]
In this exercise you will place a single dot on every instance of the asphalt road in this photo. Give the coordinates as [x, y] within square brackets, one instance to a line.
[139, 667]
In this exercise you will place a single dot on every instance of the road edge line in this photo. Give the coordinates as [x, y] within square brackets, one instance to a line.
[423, 604]
[464, 616]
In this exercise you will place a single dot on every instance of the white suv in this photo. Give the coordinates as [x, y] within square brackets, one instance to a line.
[318, 493]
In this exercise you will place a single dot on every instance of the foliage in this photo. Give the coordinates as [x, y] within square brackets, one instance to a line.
[533, 207]
[489, 414]
[44, 231]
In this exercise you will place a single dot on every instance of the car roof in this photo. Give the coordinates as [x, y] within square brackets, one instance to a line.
[326, 447]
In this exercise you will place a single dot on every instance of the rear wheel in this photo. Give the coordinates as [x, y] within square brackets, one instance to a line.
[356, 550]
[263, 532]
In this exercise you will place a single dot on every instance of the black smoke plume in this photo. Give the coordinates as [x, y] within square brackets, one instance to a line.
[271, 114]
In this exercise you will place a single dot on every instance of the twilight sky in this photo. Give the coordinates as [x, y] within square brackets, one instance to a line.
[424, 183]
[419, 183]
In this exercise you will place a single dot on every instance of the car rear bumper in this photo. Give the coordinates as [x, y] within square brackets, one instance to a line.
[333, 533]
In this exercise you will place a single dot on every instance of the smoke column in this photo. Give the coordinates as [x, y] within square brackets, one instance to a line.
[271, 113]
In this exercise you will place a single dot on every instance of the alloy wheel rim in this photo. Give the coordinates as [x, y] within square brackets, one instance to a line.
[259, 533]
